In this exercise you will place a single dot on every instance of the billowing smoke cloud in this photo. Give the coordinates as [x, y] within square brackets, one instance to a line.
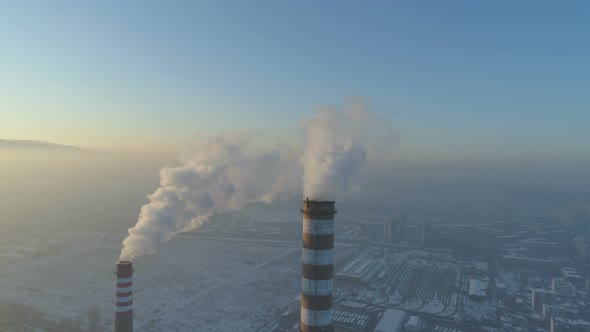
[222, 173]
[335, 149]
[216, 174]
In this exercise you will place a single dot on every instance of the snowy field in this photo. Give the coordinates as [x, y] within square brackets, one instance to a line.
[190, 284]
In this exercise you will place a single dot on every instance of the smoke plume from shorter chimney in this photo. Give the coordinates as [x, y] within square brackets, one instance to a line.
[215, 174]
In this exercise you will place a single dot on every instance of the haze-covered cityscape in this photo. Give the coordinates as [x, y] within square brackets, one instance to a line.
[419, 269]
[294, 166]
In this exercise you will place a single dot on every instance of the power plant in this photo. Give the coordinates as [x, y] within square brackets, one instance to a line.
[124, 297]
[316, 273]
[317, 266]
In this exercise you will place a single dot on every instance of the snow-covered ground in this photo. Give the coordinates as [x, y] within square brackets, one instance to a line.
[189, 284]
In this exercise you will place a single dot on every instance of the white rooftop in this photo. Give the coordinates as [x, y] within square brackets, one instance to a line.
[477, 287]
[481, 265]
[413, 321]
[391, 321]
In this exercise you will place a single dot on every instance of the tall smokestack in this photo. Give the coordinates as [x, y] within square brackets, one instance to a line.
[317, 266]
[124, 297]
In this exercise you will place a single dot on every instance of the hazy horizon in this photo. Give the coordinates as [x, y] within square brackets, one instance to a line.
[496, 80]
[273, 166]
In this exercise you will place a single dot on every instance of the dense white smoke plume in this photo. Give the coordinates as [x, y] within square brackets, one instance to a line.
[335, 150]
[216, 174]
[222, 173]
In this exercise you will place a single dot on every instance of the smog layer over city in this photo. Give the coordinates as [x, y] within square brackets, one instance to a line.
[294, 166]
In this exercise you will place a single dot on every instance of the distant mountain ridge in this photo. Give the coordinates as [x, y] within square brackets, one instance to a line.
[31, 144]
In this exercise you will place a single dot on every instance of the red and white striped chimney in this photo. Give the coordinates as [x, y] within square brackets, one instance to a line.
[124, 297]
[317, 266]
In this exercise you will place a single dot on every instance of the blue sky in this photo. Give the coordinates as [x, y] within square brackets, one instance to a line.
[457, 78]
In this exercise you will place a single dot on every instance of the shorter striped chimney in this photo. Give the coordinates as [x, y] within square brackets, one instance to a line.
[124, 297]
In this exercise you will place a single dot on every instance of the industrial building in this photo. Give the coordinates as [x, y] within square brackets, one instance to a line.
[359, 270]
[414, 324]
[567, 325]
[530, 263]
[573, 276]
[478, 288]
[391, 321]
[540, 246]
[351, 316]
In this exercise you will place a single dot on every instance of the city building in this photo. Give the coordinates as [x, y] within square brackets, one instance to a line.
[394, 229]
[561, 286]
[423, 231]
[573, 276]
[583, 248]
[539, 297]
[413, 324]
